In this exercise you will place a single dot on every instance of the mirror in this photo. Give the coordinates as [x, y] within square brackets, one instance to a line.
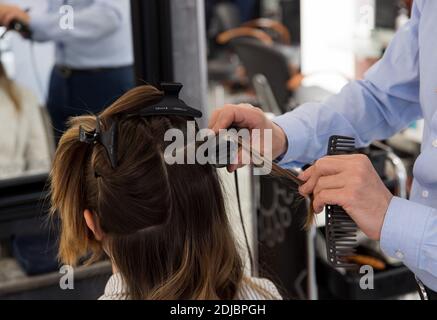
[78, 60]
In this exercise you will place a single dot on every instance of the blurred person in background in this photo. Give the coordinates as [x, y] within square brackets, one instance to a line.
[94, 55]
[24, 150]
[23, 144]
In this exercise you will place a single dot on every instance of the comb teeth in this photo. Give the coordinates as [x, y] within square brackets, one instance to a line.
[341, 230]
[341, 236]
[341, 145]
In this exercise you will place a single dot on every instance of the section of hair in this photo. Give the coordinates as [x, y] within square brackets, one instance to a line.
[289, 176]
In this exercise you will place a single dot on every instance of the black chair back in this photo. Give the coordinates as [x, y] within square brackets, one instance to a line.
[258, 58]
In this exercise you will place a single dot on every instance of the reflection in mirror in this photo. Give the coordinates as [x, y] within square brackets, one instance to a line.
[59, 59]
[240, 35]
[24, 144]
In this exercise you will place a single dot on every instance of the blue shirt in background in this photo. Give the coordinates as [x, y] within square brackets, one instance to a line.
[101, 36]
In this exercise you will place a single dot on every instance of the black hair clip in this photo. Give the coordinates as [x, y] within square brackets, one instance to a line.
[108, 139]
[90, 137]
[171, 104]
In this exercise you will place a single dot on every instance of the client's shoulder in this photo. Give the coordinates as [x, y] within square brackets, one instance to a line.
[115, 288]
[258, 289]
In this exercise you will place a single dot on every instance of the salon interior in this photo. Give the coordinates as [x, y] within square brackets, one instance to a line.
[273, 54]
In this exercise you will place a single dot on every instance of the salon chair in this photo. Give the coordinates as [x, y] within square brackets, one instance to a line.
[269, 73]
[276, 30]
[260, 58]
[223, 66]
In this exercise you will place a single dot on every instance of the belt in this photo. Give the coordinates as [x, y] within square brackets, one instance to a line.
[425, 292]
[68, 71]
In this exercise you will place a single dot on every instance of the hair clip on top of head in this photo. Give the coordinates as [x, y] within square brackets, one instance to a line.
[90, 137]
[108, 139]
[171, 104]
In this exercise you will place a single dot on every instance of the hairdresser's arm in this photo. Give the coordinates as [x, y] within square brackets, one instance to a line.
[375, 108]
[100, 18]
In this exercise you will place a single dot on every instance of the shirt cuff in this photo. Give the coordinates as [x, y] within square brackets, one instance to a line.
[293, 128]
[403, 230]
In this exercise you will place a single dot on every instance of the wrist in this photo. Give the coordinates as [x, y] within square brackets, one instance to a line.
[384, 209]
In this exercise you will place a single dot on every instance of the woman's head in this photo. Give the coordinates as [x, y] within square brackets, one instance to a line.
[164, 226]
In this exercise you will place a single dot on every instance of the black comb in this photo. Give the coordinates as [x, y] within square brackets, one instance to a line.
[341, 230]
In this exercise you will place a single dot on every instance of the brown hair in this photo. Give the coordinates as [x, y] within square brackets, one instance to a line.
[165, 226]
[9, 87]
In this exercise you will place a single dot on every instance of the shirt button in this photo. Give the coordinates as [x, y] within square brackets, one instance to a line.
[434, 143]
[399, 254]
[425, 194]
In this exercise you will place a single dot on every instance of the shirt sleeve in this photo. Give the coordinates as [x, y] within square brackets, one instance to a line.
[409, 233]
[100, 18]
[386, 101]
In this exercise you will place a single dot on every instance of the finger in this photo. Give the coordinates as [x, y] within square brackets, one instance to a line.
[327, 163]
[8, 18]
[323, 167]
[237, 162]
[328, 197]
[329, 182]
[234, 167]
[241, 116]
[2, 16]
[213, 118]
[224, 118]
[304, 176]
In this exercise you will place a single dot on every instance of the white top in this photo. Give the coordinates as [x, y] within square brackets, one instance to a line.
[116, 290]
[23, 141]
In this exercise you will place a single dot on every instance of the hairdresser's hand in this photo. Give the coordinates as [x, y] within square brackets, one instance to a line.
[351, 182]
[8, 13]
[249, 117]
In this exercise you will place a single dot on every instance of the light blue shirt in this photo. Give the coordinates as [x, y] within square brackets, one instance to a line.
[399, 89]
[101, 36]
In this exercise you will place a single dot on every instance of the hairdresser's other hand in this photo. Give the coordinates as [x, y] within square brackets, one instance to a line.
[351, 182]
[248, 117]
[8, 13]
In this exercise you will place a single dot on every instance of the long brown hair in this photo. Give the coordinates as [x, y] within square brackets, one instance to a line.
[9, 87]
[165, 226]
